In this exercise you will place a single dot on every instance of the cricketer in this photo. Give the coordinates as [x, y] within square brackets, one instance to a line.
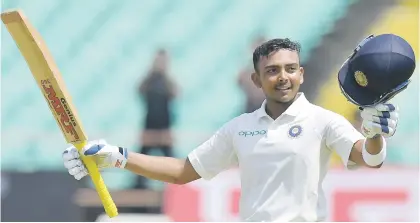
[283, 148]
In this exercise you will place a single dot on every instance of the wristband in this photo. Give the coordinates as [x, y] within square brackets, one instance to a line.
[121, 159]
[377, 159]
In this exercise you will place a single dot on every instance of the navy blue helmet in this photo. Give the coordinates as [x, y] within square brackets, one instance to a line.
[378, 69]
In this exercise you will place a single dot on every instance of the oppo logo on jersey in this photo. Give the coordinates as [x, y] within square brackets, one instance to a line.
[252, 133]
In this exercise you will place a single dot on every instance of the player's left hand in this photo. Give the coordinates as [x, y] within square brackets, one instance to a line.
[379, 120]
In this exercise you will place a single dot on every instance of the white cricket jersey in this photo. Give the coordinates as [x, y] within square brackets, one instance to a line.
[282, 162]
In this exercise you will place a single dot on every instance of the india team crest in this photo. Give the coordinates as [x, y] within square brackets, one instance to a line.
[295, 131]
[360, 78]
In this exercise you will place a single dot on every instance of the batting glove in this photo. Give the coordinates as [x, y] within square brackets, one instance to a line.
[379, 120]
[103, 154]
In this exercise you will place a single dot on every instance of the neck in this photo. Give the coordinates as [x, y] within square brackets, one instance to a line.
[274, 108]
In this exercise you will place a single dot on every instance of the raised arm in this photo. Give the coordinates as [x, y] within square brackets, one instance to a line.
[206, 161]
[379, 122]
[166, 169]
[367, 149]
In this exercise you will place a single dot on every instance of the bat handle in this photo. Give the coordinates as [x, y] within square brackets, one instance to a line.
[107, 202]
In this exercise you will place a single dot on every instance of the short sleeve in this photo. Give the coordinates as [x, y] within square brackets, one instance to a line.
[341, 136]
[215, 155]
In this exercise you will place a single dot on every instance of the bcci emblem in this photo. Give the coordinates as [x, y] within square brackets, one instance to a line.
[361, 78]
[295, 131]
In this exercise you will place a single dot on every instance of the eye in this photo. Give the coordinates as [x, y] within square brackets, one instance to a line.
[291, 69]
[272, 70]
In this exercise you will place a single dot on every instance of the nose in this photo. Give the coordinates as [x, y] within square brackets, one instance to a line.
[282, 77]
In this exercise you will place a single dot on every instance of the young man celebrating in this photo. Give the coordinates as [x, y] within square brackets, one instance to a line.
[281, 149]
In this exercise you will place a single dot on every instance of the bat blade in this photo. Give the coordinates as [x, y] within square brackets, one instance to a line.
[46, 74]
[50, 82]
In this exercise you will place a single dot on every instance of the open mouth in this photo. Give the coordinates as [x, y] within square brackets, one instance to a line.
[282, 88]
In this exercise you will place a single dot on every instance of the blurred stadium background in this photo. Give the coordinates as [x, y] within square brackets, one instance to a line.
[105, 47]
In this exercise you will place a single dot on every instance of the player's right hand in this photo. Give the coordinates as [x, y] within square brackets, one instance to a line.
[103, 154]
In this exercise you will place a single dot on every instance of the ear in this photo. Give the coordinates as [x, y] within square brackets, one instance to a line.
[302, 71]
[256, 79]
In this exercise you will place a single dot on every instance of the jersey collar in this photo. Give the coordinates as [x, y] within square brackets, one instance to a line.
[295, 108]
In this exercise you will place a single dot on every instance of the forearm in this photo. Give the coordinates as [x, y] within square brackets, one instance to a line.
[165, 169]
[374, 145]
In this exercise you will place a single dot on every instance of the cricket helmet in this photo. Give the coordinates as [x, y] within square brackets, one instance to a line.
[377, 70]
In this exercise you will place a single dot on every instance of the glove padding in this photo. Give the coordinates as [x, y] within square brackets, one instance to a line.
[379, 120]
[104, 155]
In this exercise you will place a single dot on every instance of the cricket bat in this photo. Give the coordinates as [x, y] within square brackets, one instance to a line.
[51, 84]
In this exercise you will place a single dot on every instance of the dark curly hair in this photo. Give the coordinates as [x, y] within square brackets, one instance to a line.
[273, 46]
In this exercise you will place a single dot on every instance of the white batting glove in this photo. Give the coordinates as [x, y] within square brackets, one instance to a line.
[379, 120]
[103, 154]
